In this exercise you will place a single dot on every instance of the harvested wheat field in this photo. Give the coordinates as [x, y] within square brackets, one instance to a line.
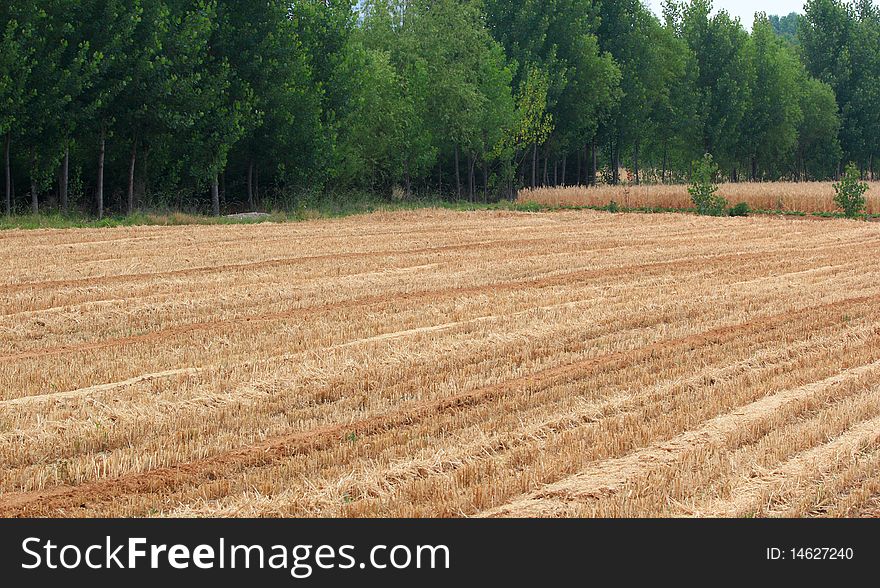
[434, 363]
[807, 197]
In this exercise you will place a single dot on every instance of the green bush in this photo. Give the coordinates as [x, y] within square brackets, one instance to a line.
[851, 192]
[529, 206]
[741, 209]
[613, 207]
[703, 188]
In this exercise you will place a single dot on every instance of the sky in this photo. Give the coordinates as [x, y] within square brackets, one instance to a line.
[746, 9]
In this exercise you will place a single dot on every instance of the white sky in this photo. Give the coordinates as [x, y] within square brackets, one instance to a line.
[746, 9]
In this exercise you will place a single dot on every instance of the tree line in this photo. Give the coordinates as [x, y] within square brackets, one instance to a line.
[214, 105]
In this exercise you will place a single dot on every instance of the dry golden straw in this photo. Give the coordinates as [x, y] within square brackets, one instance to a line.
[432, 363]
[808, 197]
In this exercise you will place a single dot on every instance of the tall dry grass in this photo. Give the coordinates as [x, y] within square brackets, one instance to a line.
[808, 197]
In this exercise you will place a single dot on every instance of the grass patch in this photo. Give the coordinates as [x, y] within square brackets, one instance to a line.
[342, 206]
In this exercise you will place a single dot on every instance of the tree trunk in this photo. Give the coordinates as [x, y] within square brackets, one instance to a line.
[636, 163]
[215, 196]
[129, 208]
[35, 203]
[665, 155]
[588, 162]
[594, 173]
[754, 169]
[8, 174]
[471, 195]
[579, 163]
[473, 179]
[615, 148]
[564, 162]
[555, 171]
[144, 186]
[534, 166]
[99, 196]
[611, 159]
[406, 178]
[521, 172]
[485, 179]
[250, 186]
[65, 179]
[457, 174]
[546, 159]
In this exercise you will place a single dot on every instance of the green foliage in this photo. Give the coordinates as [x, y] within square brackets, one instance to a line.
[529, 207]
[840, 47]
[534, 122]
[786, 26]
[818, 150]
[739, 209]
[722, 86]
[278, 102]
[771, 127]
[850, 192]
[703, 189]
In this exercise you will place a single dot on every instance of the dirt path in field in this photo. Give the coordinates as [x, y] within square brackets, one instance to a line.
[64, 499]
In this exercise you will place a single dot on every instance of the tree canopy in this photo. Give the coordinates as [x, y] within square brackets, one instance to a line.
[230, 105]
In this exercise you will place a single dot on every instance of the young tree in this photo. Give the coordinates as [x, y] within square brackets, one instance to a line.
[850, 192]
[497, 120]
[704, 190]
[392, 27]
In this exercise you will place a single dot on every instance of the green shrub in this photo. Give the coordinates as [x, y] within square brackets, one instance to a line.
[741, 209]
[613, 207]
[529, 206]
[851, 192]
[703, 188]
